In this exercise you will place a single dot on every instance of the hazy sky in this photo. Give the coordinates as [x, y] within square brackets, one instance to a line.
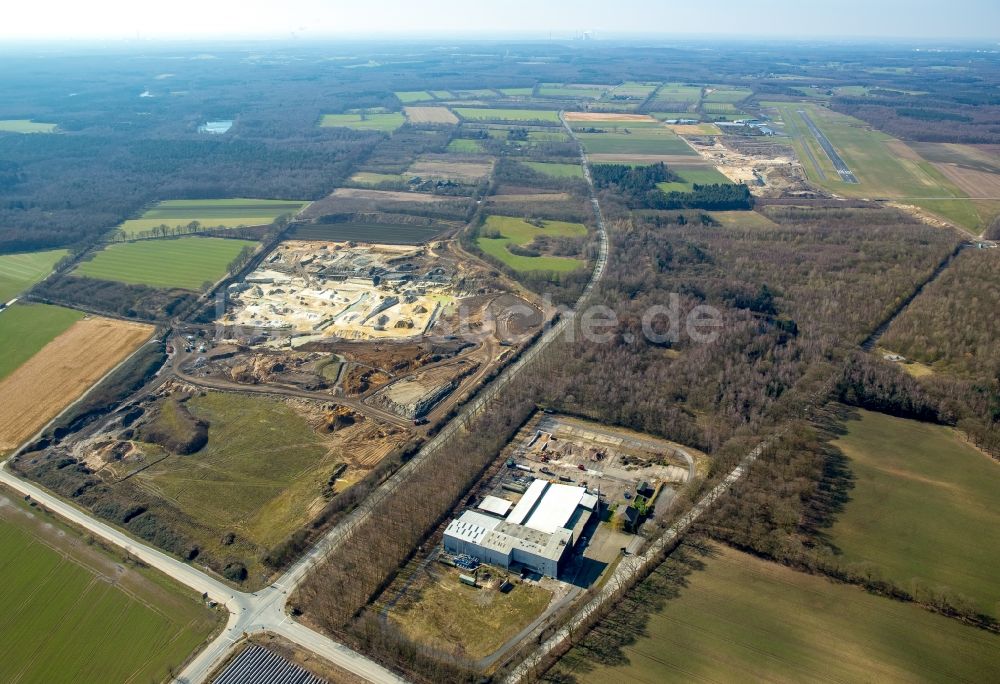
[89, 19]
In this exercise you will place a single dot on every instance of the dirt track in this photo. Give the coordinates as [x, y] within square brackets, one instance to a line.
[63, 370]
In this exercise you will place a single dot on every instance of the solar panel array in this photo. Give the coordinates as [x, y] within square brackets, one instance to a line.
[257, 665]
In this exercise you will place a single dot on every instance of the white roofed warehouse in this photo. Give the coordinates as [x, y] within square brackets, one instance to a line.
[537, 534]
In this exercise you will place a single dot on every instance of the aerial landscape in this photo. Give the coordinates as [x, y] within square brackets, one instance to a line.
[482, 345]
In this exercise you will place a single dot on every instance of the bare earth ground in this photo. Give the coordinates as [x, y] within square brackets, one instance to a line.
[606, 116]
[462, 169]
[539, 197]
[383, 195]
[64, 369]
[971, 182]
[419, 115]
[680, 159]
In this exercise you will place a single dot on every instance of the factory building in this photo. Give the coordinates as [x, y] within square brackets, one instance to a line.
[537, 534]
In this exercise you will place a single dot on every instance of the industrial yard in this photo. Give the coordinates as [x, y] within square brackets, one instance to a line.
[314, 291]
[562, 505]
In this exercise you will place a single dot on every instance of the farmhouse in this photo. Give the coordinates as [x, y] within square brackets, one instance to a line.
[537, 534]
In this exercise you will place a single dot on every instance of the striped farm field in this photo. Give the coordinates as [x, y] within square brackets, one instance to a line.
[187, 263]
[79, 614]
[18, 272]
[742, 619]
[211, 213]
[515, 115]
[387, 123]
[62, 369]
[26, 328]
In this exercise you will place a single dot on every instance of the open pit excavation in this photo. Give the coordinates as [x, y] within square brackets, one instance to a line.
[306, 291]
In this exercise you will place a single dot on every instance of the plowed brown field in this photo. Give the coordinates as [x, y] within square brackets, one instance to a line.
[63, 370]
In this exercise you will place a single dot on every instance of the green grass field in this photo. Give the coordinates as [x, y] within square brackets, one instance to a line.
[411, 96]
[518, 92]
[919, 493]
[515, 231]
[557, 170]
[26, 328]
[637, 141]
[25, 126]
[387, 123]
[692, 176]
[556, 90]
[635, 89]
[743, 619]
[551, 135]
[76, 614]
[465, 146]
[884, 167]
[18, 272]
[187, 262]
[261, 471]
[515, 115]
[213, 213]
[727, 94]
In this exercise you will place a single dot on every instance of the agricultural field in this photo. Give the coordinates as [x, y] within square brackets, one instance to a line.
[384, 122]
[614, 122]
[572, 90]
[25, 126]
[213, 213]
[465, 146]
[918, 491]
[693, 176]
[642, 141]
[884, 166]
[18, 272]
[635, 89]
[430, 115]
[472, 622]
[517, 92]
[726, 94]
[76, 605]
[746, 619]
[370, 178]
[511, 115]
[725, 109]
[188, 263]
[26, 328]
[408, 96]
[391, 234]
[76, 355]
[500, 232]
[557, 170]
[551, 135]
[674, 97]
[742, 219]
[448, 167]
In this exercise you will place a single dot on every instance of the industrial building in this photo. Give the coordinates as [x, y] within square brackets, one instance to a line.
[537, 534]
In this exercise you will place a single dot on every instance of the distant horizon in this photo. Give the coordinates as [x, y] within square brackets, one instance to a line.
[963, 21]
